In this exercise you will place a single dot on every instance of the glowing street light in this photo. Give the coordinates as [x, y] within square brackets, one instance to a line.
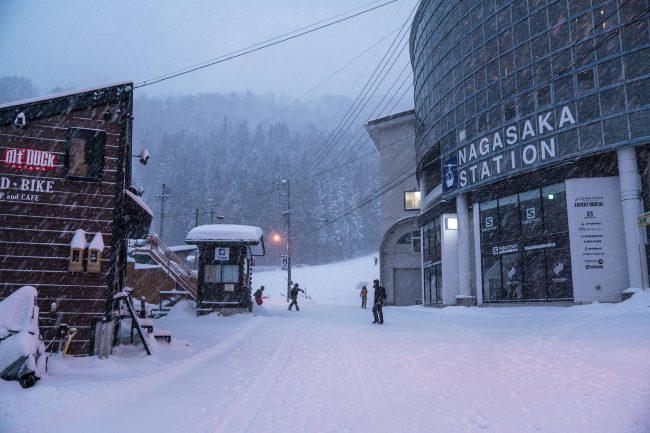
[276, 238]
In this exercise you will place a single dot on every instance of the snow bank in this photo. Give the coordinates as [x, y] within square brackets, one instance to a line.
[19, 332]
[17, 311]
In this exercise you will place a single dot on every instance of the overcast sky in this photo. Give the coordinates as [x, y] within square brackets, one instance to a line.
[84, 43]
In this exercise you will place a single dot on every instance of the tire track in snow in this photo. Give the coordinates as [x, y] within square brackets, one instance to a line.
[246, 408]
[372, 392]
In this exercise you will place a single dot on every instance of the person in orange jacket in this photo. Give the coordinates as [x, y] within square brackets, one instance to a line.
[364, 296]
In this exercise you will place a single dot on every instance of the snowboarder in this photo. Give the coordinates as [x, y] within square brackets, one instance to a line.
[380, 298]
[258, 295]
[294, 296]
[364, 296]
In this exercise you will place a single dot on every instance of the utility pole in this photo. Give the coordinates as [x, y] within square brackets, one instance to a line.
[196, 221]
[163, 196]
[287, 214]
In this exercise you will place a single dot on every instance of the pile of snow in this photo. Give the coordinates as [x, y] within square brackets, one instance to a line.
[225, 233]
[19, 336]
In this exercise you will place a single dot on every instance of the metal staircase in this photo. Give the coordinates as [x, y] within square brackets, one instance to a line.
[175, 267]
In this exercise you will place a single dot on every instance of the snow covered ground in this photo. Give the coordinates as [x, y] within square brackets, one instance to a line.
[328, 369]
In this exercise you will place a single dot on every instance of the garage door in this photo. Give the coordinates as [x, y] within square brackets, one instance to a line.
[406, 283]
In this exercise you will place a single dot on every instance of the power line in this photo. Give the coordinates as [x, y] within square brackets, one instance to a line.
[364, 52]
[257, 47]
[326, 147]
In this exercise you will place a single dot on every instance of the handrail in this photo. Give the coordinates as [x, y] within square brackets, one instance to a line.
[176, 268]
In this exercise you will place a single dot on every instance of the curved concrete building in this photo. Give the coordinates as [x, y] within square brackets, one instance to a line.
[532, 131]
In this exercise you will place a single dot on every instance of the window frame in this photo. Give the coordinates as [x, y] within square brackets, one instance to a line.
[94, 147]
[416, 195]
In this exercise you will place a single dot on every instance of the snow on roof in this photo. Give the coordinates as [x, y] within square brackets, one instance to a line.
[62, 94]
[97, 243]
[16, 310]
[139, 201]
[225, 232]
[183, 248]
[79, 239]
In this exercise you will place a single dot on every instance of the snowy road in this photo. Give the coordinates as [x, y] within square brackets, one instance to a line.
[328, 369]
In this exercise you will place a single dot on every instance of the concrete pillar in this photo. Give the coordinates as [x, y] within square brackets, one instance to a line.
[628, 171]
[477, 253]
[464, 285]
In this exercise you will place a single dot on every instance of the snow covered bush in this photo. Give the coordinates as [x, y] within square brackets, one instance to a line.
[22, 353]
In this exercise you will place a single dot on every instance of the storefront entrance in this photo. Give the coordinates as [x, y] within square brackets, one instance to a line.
[525, 247]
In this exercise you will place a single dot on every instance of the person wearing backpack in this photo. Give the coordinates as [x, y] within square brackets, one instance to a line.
[364, 296]
[380, 298]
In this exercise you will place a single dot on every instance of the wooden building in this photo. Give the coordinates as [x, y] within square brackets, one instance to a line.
[226, 260]
[65, 205]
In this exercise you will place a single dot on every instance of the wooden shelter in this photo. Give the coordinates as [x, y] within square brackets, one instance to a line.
[225, 265]
[65, 208]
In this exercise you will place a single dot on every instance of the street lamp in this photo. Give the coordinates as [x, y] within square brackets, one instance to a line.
[276, 238]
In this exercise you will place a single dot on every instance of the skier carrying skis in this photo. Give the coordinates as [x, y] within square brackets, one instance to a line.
[380, 298]
[294, 296]
[258, 295]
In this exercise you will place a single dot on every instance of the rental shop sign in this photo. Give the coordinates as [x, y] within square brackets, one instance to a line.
[498, 152]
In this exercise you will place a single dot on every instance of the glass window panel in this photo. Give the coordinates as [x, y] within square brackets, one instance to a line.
[503, 18]
[561, 61]
[489, 221]
[557, 12]
[411, 200]
[492, 287]
[637, 64]
[554, 205]
[588, 109]
[543, 96]
[560, 37]
[605, 17]
[522, 55]
[512, 276]
[584, 53]
[404, 244]
[577, 6]
[212, 273]
[230, 273]
[538, 22]
[635, 36]
[520, 31]
[534, 275]
[591, 136]
[615, 130]
[530, 209]
[558, 268]
[640, 124]
[607, 45]
[540, 46]
[519, 8]
[505, 41]
[507, 62]
[77, 166]
[563, 89]
[508, 218]
[638, 93]
[586, 81]
[568, 142]
[612, 101]
[610, 72]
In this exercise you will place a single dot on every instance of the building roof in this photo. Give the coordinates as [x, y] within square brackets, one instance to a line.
[225, 233]
[390, 117]
[377, 126]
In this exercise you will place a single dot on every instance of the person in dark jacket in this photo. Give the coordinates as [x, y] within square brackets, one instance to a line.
[293, 294]
[380, 298]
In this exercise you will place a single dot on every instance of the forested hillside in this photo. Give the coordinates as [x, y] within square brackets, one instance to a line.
[224, 154]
